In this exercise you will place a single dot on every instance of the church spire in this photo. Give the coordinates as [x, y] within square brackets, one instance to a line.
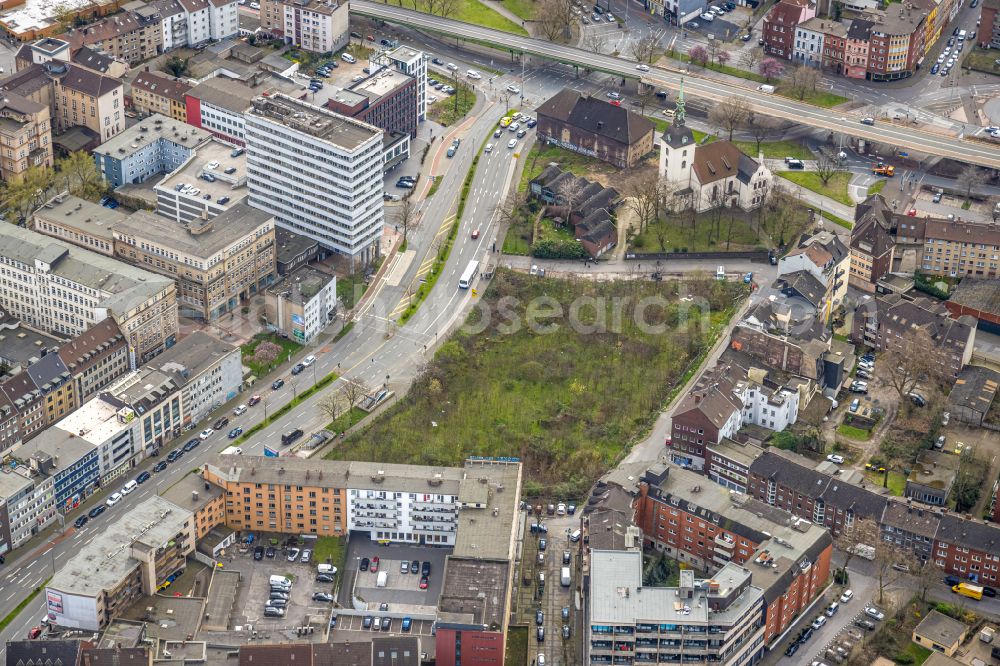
[679, 113]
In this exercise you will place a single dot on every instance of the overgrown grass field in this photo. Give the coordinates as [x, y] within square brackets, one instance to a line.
[567, 401]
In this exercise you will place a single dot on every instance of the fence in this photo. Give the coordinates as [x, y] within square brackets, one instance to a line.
[760, 255]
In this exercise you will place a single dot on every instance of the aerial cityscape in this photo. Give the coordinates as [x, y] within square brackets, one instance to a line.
[499, 332]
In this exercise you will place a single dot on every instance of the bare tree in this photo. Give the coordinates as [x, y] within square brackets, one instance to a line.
[332, 405]
[647, 47]
[969, 179]
[994, 204]
[750, 58]
[644, 96]
[760, 127]
[405, 216]
[554, 19]
[730, 114]
[513, 209]
[803, 80]
[826, 168]
[969, 480]
[902, 369]
[355, 389]
[863, 531]
[568, 196]
[783, 211]
[594, 42]
[643, 199]
[670, 202]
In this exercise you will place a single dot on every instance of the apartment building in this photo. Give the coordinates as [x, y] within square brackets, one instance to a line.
[727, 463]
[856, 47]
[988, 35]
[808, 47]
[786, 338]
[205, 501]
[968, 548]
[871, 254]
[87, 99]
[720, 620]
[910, 527]
[10, 423]
[387, 99]
[897, 42]
[825, 259]
[318, 173]
[218, 263]
[71, 462]
[83, 223]
[153, 92]
[59, 288]
[957, 249]
[29, 505]
[302, 303]
[884, 322]
[272, 15]
[135, 553]
[95, 358]
[412, 62]
[218, 105]
[153, 146]
[780, 25]
[319, 26]
[25, 136]
[129, 36]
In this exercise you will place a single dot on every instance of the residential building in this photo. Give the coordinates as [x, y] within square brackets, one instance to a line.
[128, 36]
[387, 99]
[727, 462]
[955, 248]
[715, 174]
[871, 254]
[71, 462]
[988, 35]
[910, 527]
[22, 409]
[785, 335]
[60, 651]
[218, 263]
[856, 47]
[835, 41]
[319, 26]
[83, 288]
[318, 173]
[20, 346]
[827, 260]
[379, 651]
[223, 19]
[932, 477]
[634, 622]
[883, 322]
[972, 396]
[131, 557]
[153, 146]
[808, 45]
[789, 482]
[87, 99]
[896, 43]
[25, 136]
[205, 501]
[272, 16]
[95, 358]
[968, 548]
[301, 304]
[218, 105]
[940, 633]
[78, 221]
[211, 182]
[780, 24]
[84, 56]
[53, 387]
[593, 127]
[294, 250]
[10, 422]
[979, 299]
[412, 62]
[591, 204]
[153, 92]
[174, 23]
[30, 505]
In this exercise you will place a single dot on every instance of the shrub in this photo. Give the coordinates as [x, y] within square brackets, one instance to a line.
[903, 658]
[558, 249]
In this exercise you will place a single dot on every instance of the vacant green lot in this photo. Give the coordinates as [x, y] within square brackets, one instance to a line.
[836, 188]
[522, 8]
[730, 230]
[775, 150]
[542, 155]
[261, 369]
[854, 432]
[566, 399]
[877, 187]
[473, 11]
[896, 483]
[452, 108]
[817, 97]
[982, 60]
[518, 239]
[331, 550]
[517, 647]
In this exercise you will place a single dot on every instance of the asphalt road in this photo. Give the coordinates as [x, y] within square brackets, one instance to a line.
[807, 114]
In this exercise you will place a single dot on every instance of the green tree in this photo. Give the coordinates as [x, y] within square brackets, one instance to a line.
[23, 196]
[77, 173]
[177, 66]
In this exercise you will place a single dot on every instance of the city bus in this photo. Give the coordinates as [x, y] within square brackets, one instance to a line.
[469, 275]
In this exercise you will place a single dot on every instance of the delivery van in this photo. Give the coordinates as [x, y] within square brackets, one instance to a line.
[969, 590]
[564, 577]
[766, 88]
[383, 578]
[326, 569]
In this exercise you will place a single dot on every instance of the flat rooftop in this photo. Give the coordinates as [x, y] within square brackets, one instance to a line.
[488, 532]
[86, 216]
[218, 155]
[106, 561]
[301, 284]
[183, 493]
[56, 442]
[339, 130]
[934, 469]
[95, 421]
[149, 130]
[19, 344]
[220, 232]
[474, 591]
[381, 83]
[14, 479]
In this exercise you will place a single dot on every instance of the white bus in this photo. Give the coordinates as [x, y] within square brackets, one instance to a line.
[469, 275]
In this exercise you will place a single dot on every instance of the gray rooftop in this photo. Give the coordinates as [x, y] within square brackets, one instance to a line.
[488, 532]
[56, 443]
[300, 284]
[934, 469]
[191, 356]
[941, 629]
[183, 492]
[151, 129]
[85, 216]
[106, 561]
[13, 481]
[228, 228]
[20, 345]
[127, 285]
[617, 595]
[346, 133]
[474, 591]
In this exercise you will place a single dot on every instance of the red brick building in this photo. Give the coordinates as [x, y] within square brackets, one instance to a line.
[706, 414]
[989, 25]
[979, 299]
[779, 26]
[968, 548]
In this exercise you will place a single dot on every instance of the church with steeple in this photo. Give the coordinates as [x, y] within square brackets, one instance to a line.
[712, 174]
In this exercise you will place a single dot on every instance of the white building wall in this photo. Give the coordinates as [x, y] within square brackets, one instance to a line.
[224, 121]
[199, 26]
[391, 516]
[32, 511]
[808, 47]
[800, 262]
[317, 309]
[224, 21]
[213, 387]
[761, 411]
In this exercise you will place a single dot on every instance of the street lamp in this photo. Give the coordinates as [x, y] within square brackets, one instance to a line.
[386, 385]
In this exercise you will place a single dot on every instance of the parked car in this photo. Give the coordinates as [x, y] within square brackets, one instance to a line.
[324, 578]
[277, 384]
[191, 445]
[270, 552]
[258, 553]
[414, 566]
[864, 624]
[235, 432]
[374, 565]
[836, 458]
[206, 433]
[254, 399]
[364, 564]
[80, 522]
[846, 596]
[160, 466]
[96, 511]
[818, 622]
[143, 477]
[114, 499]
[874, 613]
[323, 596]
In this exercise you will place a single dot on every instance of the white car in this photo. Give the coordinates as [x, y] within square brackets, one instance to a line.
[819, 622]
[308, 360]
[212, 165]
[205, 434]
[240, 409]
[614, 95]
[114, 499]
[452, 66]
[488, 148]
[514, 90]
[561, 509]
[834, 458]
[611, 17]
[512, 144]
[846, 596]
[874, 613]
[707, 17]
[642, 68]
[474, 75]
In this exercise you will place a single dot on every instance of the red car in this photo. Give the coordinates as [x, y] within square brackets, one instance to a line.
[374, 566]
[371, 38]
[913, 212]
[34, 633]
[254, 399]
[423, 583]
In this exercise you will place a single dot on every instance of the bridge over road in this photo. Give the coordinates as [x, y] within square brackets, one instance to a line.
[916, 140]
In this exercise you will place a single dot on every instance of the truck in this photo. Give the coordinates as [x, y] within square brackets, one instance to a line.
[766, 88]
[383, 578]
[883, 169]
[968, 590]
[865, 551]
[232, 451]
[564, 578]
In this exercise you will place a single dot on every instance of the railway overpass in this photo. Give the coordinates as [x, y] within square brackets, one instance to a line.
[973, 151]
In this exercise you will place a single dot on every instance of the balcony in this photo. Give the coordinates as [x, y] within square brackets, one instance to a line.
[724, 542]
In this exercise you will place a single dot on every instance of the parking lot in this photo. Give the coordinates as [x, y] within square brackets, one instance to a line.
[402, 591]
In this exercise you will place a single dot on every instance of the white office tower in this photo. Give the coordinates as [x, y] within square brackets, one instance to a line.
[319, 173]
